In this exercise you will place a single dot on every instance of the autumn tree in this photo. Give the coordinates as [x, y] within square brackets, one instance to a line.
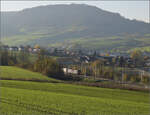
[137, 57]
[97, 67]
[48, 66]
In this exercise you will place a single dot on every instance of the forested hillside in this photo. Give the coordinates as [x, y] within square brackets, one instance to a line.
[73, 26]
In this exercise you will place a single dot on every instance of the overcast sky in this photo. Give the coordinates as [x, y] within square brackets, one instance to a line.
[130, 9]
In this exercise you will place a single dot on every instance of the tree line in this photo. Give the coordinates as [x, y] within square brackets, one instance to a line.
[42, 63]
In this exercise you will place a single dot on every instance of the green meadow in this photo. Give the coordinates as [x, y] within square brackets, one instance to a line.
[49, 98]
[15, 73]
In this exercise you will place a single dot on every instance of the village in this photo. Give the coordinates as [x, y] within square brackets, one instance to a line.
[77, 57]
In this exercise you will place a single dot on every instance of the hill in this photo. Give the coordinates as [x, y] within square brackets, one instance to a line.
[74, 25]
[15, 73]
[23, 97]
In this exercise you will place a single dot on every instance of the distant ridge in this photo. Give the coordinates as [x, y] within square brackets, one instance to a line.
[59, 23]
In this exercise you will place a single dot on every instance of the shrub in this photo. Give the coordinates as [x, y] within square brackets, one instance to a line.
[145, 79]
[49, 67]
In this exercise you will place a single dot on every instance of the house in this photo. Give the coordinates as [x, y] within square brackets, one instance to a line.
[21, 48]
[30, 49]
[36, 49]
[147, 69]
[147, 62]
[13, 48]
[87, 59]
[5, 47]
[71, 71]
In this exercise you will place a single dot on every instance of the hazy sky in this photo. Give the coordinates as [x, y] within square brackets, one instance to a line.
[130, 9]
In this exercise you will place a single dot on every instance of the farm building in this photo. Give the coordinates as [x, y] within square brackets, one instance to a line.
[71, 71]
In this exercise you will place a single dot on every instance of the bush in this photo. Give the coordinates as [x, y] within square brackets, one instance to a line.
[49, 67]
[145, 79]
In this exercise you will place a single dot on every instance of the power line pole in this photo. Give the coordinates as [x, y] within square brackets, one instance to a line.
[122, 75]
[142, 73]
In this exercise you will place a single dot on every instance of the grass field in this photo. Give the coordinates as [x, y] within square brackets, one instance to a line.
[23, 97]
[51, 98]
[15, 73]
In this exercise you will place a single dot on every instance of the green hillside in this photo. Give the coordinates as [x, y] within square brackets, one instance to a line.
[123, 43]
[75, 25]
[22, 97]
[15, 73]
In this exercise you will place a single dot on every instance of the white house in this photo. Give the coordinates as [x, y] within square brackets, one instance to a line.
[71, 71]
